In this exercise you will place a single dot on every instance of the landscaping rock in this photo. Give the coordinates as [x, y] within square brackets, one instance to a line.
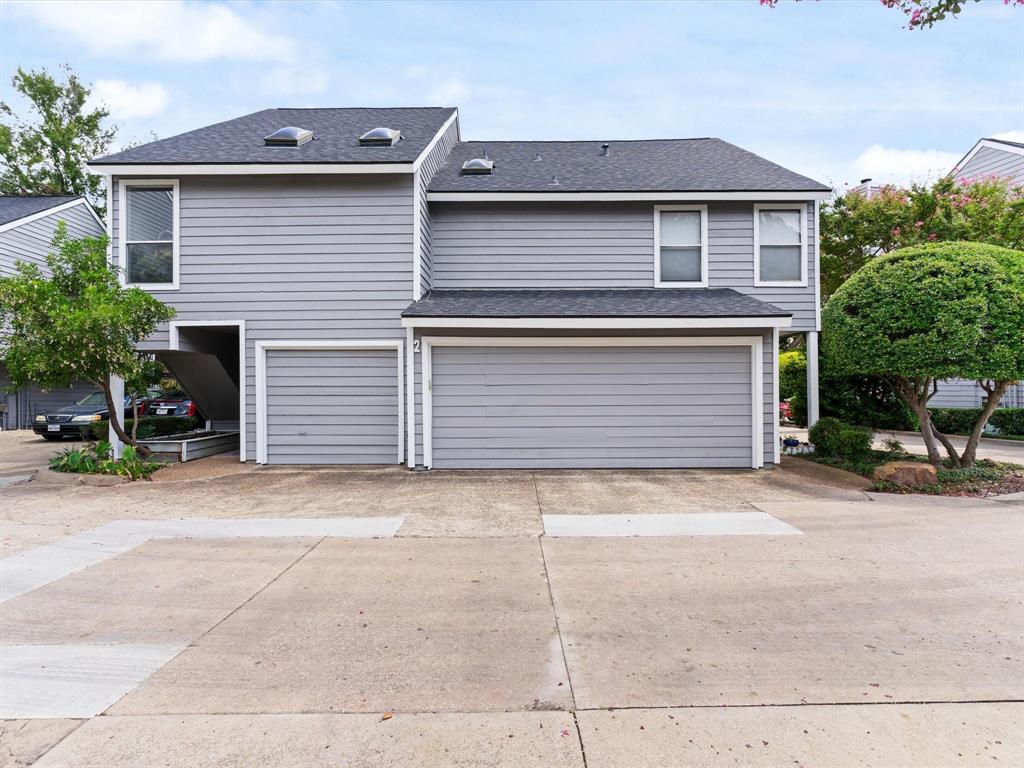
[907, 473]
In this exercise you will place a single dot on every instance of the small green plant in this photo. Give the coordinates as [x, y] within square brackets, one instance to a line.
[98, 460]
[894, 447]
[149, 427]
[834, 439]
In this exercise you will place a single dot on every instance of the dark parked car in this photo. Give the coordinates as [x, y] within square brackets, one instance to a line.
[175, 402]
[71, 419]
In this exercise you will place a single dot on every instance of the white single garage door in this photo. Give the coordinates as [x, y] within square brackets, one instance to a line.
[615, 406]
[332, 406]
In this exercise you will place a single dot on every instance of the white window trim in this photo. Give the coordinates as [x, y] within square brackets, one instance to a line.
[174, 343]
[755, 343]
[318, 344]
[703, 282]
[122, 230]
[802, 209]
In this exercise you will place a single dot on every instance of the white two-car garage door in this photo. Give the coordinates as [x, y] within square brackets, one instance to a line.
[331, 406]
[655, 405]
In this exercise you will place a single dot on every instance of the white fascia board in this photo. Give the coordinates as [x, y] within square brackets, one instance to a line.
[251, 169]
[604, 197]
[609, 323]
[50, 211]
[433, 142]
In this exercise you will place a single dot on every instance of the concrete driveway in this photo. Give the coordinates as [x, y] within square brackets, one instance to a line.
[379, 617]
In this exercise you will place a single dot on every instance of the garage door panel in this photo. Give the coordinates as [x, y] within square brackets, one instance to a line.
[663, 406]
[332, 406]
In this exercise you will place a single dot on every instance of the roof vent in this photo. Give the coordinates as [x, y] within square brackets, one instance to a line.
[288, 137]
[478, 166]
[604, 149]
[380, 137]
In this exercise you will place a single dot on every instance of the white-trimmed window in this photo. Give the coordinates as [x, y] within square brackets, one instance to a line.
[681, 246]
[780, 244]
[149, 233]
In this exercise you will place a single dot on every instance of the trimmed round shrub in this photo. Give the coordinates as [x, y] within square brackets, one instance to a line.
[826, 436]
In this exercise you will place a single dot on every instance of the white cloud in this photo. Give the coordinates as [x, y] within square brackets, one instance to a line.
[126, 101]
[448, 93]
[885, 165]
[170, 31]
[1017, 136]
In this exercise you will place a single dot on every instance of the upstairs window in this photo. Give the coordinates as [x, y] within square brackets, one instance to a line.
[149, 234]
[681, 246]
[780, 245]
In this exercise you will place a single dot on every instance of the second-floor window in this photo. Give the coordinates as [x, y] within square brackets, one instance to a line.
[681, 246]
[149, 226]
[780, 244]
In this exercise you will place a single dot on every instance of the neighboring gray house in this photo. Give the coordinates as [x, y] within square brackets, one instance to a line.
[364, 287]
[27, 225]
[989, 157]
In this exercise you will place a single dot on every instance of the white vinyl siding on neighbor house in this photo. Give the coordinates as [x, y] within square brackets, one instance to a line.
[1001, 160]
[680, 246]
[31, 241]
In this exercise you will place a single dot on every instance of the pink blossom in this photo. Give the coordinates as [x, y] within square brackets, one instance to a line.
[932, 236]
[896, 232]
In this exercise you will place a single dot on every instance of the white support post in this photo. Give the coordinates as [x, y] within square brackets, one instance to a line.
[117, 395]
[812, 378]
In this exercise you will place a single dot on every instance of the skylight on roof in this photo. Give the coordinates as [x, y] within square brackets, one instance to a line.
[380, 137]
[288, 137]
[478, 166]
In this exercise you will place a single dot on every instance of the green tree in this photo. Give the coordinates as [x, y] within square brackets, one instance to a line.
[79, 323]
[856, 228]
[46, 154]
[922, 314]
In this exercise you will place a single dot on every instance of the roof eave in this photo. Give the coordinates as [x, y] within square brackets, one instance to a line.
[602, 322]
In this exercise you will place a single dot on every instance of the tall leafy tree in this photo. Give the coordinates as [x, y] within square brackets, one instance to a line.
[79, 324]
[858, 227]
[930, 312]
[46, 152]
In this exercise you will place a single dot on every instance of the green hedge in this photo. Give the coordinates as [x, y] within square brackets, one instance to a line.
[960, 421]
[1009, 421]
[149, 427]
[834, 439]
[954, 421]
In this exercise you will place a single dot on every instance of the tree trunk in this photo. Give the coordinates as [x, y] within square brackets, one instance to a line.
[914, 392]
[115, 412]
[135, 420]
[995, 394]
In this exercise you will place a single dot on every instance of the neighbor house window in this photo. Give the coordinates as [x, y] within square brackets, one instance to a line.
[780, 245]
[149, 233]
[681, 246]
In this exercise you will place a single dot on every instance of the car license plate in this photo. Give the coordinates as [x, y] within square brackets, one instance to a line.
[53, 427]
[161, 411]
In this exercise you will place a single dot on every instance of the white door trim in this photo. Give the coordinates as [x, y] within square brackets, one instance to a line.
[756, 366]
[173, 327]
[318, 344]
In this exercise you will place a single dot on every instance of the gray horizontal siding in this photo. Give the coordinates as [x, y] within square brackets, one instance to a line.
[988, 161]
[964, 393]
[303, 257]
[591, 407]
[596, 245]
[30, 242]
[332, 406]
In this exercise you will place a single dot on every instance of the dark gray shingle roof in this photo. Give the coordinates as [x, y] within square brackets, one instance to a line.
[336, 132]
[662, 165]
[613, 302]
[14, 207]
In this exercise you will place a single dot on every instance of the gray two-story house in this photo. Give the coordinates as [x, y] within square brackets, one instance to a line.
[362, 286]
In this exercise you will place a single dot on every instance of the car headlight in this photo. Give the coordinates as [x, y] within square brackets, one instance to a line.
[89, 417]
[41, 417]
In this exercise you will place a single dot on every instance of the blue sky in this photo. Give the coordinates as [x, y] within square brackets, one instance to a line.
[834, 89]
